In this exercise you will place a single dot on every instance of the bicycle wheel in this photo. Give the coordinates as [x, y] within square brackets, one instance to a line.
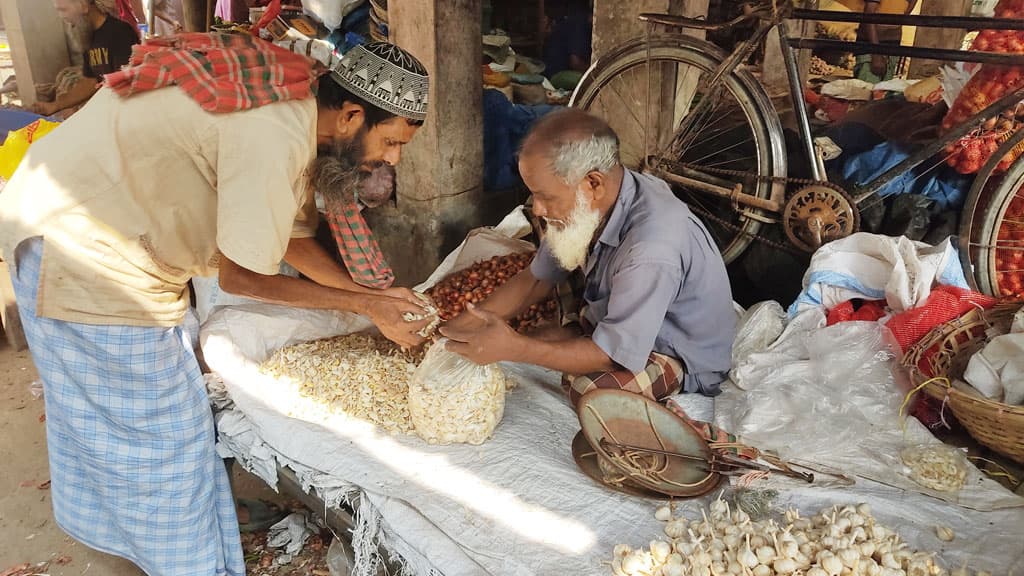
[740, 132]
[992, 227]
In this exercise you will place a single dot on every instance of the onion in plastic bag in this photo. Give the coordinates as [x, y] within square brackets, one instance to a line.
[452, 400]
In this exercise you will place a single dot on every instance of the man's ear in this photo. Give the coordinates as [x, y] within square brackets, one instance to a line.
[595, 183]
[350, 119]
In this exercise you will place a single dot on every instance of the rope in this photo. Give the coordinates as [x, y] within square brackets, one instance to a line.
[906, 399]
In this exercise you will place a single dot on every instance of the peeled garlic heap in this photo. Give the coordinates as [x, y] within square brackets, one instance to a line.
[362, 376]
[835, 542]
[452, 400]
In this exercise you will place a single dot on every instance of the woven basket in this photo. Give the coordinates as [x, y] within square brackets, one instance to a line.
[944, 353]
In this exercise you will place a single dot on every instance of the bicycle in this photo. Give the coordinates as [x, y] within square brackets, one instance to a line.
[709, 128]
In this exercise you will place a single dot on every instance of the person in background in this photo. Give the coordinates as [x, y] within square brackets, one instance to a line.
[658, 314]
[875, 68]
[567, 49]
[107, 46]
[107, 219]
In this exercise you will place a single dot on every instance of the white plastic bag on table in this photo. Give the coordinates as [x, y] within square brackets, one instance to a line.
[840, 389]
[452, 400]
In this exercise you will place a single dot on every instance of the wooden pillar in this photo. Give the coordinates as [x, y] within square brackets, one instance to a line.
[616, 21]
[440, 175]
[774, 76]
[39, 48]
[193, 15]
[938, 37]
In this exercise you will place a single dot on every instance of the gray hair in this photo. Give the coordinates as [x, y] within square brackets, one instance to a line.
[575, 159]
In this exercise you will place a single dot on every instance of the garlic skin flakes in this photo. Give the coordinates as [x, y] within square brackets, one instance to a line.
[362, 376]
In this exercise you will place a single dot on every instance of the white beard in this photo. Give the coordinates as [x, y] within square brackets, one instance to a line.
[570, 243]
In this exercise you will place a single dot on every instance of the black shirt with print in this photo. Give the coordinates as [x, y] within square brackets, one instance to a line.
[111, 48]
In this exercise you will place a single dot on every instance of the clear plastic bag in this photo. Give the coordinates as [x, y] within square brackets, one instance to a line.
[935, 466]
[452, 400]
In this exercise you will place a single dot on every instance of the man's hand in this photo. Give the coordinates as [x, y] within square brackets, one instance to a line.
[879, 65]
[44, 108]
[405, 294]
[387, 314]
[486, 341]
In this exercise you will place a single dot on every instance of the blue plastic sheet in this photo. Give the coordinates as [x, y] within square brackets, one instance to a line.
[941, 184]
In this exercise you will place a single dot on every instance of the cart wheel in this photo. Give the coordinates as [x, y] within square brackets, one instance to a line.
[992, 226]
[737, 137]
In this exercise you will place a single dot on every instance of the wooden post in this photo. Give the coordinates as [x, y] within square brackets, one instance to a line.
[616, 22]
[39, 48]
[193, 15]
[440, 176]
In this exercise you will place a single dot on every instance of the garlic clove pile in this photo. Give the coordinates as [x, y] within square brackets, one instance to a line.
[724, 541]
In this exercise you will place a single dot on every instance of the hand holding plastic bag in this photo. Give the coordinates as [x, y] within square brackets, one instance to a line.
[452, 400]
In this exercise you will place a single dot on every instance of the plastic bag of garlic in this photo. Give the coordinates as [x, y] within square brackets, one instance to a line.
[837, 541]
[452, 400]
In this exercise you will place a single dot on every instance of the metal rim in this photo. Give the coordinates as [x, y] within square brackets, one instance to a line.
[757, 108]
[651, 411]
[983, 217]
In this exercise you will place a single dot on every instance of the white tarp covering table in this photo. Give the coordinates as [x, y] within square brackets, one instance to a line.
[517, 504]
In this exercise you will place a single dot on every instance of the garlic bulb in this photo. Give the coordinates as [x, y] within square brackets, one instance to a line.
[838, 541]
[944, 533]
[663, 514]
[660, 551]
[784, 566]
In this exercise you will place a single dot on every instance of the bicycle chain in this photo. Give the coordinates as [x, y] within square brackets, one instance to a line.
[757, 177]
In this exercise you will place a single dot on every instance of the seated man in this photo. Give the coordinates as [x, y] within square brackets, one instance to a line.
[657, 315]
[107, 43]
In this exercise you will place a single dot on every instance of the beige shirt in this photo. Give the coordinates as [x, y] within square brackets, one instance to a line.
[135, 196]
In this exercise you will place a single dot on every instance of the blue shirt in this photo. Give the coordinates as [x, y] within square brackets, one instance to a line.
[655, 281]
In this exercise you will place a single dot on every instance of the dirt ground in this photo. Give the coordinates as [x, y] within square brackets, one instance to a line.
[27, 529]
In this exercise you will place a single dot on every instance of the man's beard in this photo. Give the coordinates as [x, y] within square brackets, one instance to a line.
[82, 31]
[338, 171]
[570, 243]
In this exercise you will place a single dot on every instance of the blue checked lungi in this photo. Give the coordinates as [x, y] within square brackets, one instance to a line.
[131, 440]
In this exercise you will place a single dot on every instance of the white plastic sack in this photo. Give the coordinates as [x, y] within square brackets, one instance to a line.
[452, 400]
[330, 12]
[997, 371]
[954, 78]
[849, 89]
[875, 267]
[829, 396]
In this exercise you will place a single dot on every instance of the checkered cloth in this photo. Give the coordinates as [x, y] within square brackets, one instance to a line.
[662, 377]
[221, 72]
[358, 248]
[131, 440]
[233, 72]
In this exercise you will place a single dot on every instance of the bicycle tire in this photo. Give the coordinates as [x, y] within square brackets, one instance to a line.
[758, 111]
[991, 244]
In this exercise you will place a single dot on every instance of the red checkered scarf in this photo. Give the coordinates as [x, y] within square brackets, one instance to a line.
[221, 72]
[358, 248]
[232, 72]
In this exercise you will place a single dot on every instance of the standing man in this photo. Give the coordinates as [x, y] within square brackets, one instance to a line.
[107, 46]
[108, 218]
[875, 68]
[657, 313]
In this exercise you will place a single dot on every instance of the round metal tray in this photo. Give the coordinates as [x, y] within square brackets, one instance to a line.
[627, 418]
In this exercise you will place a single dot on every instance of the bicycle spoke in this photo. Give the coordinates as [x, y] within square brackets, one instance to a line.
[699, 160]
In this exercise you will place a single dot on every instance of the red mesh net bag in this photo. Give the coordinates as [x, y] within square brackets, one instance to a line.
[945, 303]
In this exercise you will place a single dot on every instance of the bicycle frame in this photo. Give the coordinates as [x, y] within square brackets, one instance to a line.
[768, 20]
